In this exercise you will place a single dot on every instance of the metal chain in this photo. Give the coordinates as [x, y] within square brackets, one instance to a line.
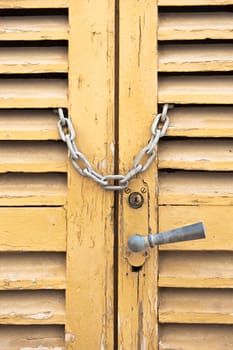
[141, 162]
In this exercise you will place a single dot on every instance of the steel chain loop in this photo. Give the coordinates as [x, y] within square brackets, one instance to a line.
[141, 162]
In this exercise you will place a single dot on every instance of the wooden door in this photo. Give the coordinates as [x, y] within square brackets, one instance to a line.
[56, 228]
[67, 278]
[195, 173]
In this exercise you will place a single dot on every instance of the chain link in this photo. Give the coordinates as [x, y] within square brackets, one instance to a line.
[141, 162]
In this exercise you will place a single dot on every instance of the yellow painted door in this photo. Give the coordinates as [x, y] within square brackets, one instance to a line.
[67, 278]
[177, 52]
[195, 174]
[33, 174]
[56, 237]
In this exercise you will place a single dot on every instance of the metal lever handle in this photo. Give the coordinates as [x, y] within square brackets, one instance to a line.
[137, 243]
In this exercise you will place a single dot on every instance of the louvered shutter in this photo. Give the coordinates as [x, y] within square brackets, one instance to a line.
[33, 166]
[195, 174]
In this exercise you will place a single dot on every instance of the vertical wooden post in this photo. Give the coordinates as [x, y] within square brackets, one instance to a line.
[89, 294]
[137, 102]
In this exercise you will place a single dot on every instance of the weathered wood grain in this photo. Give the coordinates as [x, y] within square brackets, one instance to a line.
[32, 271]
[34, 28]
[195, 57]
[204, 121]
[89, 293]
[33, 93]
[32, 307]
[33, 156]
[210, 155]
[20, 4]
[28, 124]
[28, 60]
[195, 25]
[137, 290]
[188, 89]
[33, 229]
[192, 337]
[195, 188]
[33, 189]
[196, 269]
[193, 2]
[32, 337]
[196, 305]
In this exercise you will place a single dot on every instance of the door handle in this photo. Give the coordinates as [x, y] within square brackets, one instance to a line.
[137, 243]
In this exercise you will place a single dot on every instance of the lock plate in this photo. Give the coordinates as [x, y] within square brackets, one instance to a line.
[136, 216]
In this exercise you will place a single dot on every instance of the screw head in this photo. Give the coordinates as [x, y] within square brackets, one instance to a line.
[143, 189]
[127, 190]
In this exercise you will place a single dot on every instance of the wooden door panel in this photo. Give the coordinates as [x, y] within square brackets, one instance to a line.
[137, 292]
[195, 176]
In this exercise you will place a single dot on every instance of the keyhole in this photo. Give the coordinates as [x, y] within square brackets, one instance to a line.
[135, 200]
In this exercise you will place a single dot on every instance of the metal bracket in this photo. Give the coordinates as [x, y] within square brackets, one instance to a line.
[136, 217]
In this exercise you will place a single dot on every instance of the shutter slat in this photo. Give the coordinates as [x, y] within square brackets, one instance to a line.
[33, 156]
[196, 306]
[32, 337]
[32, 307]
[195, 25]
[196, 155]
[33, 93]
[193, 2]
[194, 188]
[195, 57]
[33, 229]
[217, 221]
[201, 122]
[33, 189]
[16, 271]
[196, 89]
[34, 28]
[193, 337]
[28, 125]
[33, 60]
[196, 269]
[14, 4]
